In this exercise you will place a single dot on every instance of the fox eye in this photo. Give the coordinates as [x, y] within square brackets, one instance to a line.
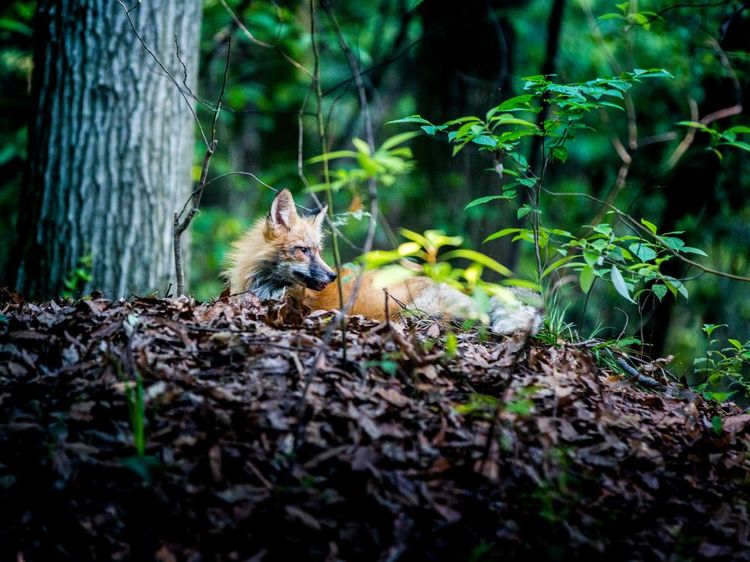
[304, 249]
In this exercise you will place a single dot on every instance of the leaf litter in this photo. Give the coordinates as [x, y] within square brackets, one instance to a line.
[261, 443]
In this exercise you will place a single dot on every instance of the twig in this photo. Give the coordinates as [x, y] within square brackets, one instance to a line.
[660, 13]
[326, 169]
[638, 377]
[372, 191]
[372, 187]
[161, 65]
[180, 226]
[690, 135]
[259, 43]
[688, 139]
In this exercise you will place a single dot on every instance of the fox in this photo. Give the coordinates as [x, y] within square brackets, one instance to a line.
[281, 253]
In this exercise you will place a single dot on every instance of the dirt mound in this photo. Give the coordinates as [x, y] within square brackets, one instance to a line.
[171, 430]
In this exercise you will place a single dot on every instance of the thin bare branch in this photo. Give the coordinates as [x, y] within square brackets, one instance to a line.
[687, 140]
[259, 43]
[161, 65]
[180, 226]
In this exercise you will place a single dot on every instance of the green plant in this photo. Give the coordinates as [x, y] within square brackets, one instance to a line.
[486, 406]
[630, 263]
[631, 17]
[137, 413]
[724, 369]
[556, 328]
[731, 137]
[389, 161]
[423, 254]
[76, 280]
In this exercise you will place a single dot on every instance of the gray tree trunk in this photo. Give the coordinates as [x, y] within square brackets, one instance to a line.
[111, 145]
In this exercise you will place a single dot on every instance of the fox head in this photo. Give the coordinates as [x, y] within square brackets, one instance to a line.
[296, 242]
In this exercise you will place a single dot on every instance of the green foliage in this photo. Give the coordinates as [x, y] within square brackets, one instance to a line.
[213, 232]
[630, 16]
[734, 137]
[258, 133]
[422, 254]
[725, 369]
[389, 365]
[385, 165]
[77, 279]
[487, 407]
[631, 263]
[16, 65]
[556, 328]
[500, 131]
[137, 413]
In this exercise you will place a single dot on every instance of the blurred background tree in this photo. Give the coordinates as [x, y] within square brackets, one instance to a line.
[446, 59]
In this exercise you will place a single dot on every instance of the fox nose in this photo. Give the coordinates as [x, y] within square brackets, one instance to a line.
[332, 276]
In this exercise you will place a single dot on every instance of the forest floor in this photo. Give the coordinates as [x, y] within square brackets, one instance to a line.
[172, 430]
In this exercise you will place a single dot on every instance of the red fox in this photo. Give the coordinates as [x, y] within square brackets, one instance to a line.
[281, 252]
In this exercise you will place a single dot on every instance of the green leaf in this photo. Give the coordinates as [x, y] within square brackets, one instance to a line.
[557, 264]
[451, 345]
[710, 328]
[414, 236]
[672, 242]
[737, 144]
[691, 250]
[643, 251]
[501, 233]
[485, 140]
[619, 283]
[737, 130]
[332, 156]
[591, 258]
[411, 119]
[469, 119]
[525, 210]
[659, 290]
[560, 153]
[652, 73]
[16, 26]
[651, 226]
[610, 16]
[514, 104]
[508, 119]
[587, 278]
[717, 424]
[479, 258]
[485, 199]
[361, 146]
[396, 140]
[696, 125]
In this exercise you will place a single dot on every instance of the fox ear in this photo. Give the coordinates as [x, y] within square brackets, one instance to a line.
[321, 216]
[282, 212]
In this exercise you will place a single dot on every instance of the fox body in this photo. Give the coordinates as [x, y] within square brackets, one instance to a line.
[281, 253]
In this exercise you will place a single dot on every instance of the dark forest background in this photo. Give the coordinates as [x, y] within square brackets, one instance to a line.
[442, 60]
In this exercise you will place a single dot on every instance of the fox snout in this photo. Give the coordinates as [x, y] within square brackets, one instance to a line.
[320, 276]
[315, 274]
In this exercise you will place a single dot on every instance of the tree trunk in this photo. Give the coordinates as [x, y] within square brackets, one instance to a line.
[111, 145]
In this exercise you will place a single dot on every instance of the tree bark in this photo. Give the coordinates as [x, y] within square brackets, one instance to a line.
[111, 145]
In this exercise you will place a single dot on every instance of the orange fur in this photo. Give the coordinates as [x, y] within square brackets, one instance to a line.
[371, 297]
[281, 253]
